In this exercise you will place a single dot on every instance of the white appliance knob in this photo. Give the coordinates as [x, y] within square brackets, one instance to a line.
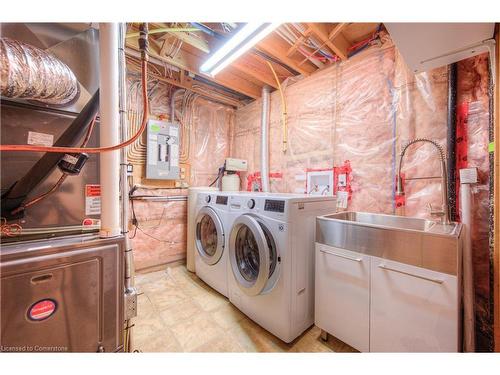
[207, 199]
[251, 203]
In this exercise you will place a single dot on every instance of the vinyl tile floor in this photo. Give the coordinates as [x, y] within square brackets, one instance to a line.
[178, 312]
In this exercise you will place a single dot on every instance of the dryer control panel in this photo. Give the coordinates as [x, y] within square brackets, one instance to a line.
[162, 150]
[273, 205]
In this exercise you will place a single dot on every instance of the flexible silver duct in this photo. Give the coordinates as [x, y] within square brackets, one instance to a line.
[28, 72]
[264, 145]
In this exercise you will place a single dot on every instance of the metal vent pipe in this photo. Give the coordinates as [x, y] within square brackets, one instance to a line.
[264, 145]
[109, 133]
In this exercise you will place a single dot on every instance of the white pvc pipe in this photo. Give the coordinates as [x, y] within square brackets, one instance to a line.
[264, 139]
[109, 133]
[468, 276]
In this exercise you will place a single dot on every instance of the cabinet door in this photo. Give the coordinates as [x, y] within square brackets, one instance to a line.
[342, 299]
[412, 309]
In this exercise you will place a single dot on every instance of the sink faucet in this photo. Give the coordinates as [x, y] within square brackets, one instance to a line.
[444, 214]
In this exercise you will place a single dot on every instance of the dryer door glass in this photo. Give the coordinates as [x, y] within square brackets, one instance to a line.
[209, 236]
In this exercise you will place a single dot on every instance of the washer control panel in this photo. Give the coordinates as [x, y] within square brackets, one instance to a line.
[273, 205]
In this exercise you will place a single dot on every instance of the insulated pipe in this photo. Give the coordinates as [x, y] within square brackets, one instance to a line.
[452, 139]
[129, 251]
[109, 130]
[129, 268]
[27, 72]
[468, 273]
[264, 140]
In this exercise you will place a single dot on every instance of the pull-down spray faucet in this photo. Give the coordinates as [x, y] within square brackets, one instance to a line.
[444, 214]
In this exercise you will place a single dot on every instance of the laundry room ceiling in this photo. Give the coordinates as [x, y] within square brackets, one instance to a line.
[292, 49]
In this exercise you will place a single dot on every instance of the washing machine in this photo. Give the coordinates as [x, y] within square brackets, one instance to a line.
[191, 220]
[271, 258]
[210, 239]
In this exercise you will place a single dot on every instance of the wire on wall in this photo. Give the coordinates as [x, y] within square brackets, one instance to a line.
[283, 109]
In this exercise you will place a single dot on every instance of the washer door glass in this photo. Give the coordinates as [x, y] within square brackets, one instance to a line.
[253, 254]
[209, 236]
[273, 254]
[247, 253]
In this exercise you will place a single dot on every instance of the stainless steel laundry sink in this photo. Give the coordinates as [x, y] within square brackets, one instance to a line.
[414, 241]
[389, 221]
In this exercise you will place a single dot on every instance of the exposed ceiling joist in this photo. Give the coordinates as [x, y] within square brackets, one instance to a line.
[293, 49]
[198, 43]
[191, 63]
[265, 78]
[337, 29]
[275, 48]
[340, 49]
[186, 82]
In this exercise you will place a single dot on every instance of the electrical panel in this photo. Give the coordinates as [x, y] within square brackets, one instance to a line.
[162, 150]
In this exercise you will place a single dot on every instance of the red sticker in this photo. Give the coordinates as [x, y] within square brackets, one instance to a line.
[42, 310]
[93, 190]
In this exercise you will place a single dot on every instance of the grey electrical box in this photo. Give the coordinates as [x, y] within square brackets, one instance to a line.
[162, 150]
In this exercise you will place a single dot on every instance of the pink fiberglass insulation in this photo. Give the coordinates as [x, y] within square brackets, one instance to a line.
[364, 110]
[473, 89]
[161, 237]
[206, 128]
[210, 134]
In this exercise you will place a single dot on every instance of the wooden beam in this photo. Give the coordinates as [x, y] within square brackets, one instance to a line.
[191, 63]
[337, 29]
[163, 48]
[339, 47]
[230, 79]
[187, 83]
[198, 43]
[258, 74]
[295, 46]
[274, 48]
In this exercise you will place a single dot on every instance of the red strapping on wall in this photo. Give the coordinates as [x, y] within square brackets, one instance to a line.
[347, 170]
[461, 148]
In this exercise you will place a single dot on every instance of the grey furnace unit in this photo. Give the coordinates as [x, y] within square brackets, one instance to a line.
[63, 295]
[162, 150]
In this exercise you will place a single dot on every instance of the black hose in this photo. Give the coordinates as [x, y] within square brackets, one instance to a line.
[451, 140]
[491, 190]
[18, 192]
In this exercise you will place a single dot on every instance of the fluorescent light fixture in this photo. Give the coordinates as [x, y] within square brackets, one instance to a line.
[241, 42]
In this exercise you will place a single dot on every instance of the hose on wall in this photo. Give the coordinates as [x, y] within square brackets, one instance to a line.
[283, 109]
[451, 135]
[28, 72]
[264, 140]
